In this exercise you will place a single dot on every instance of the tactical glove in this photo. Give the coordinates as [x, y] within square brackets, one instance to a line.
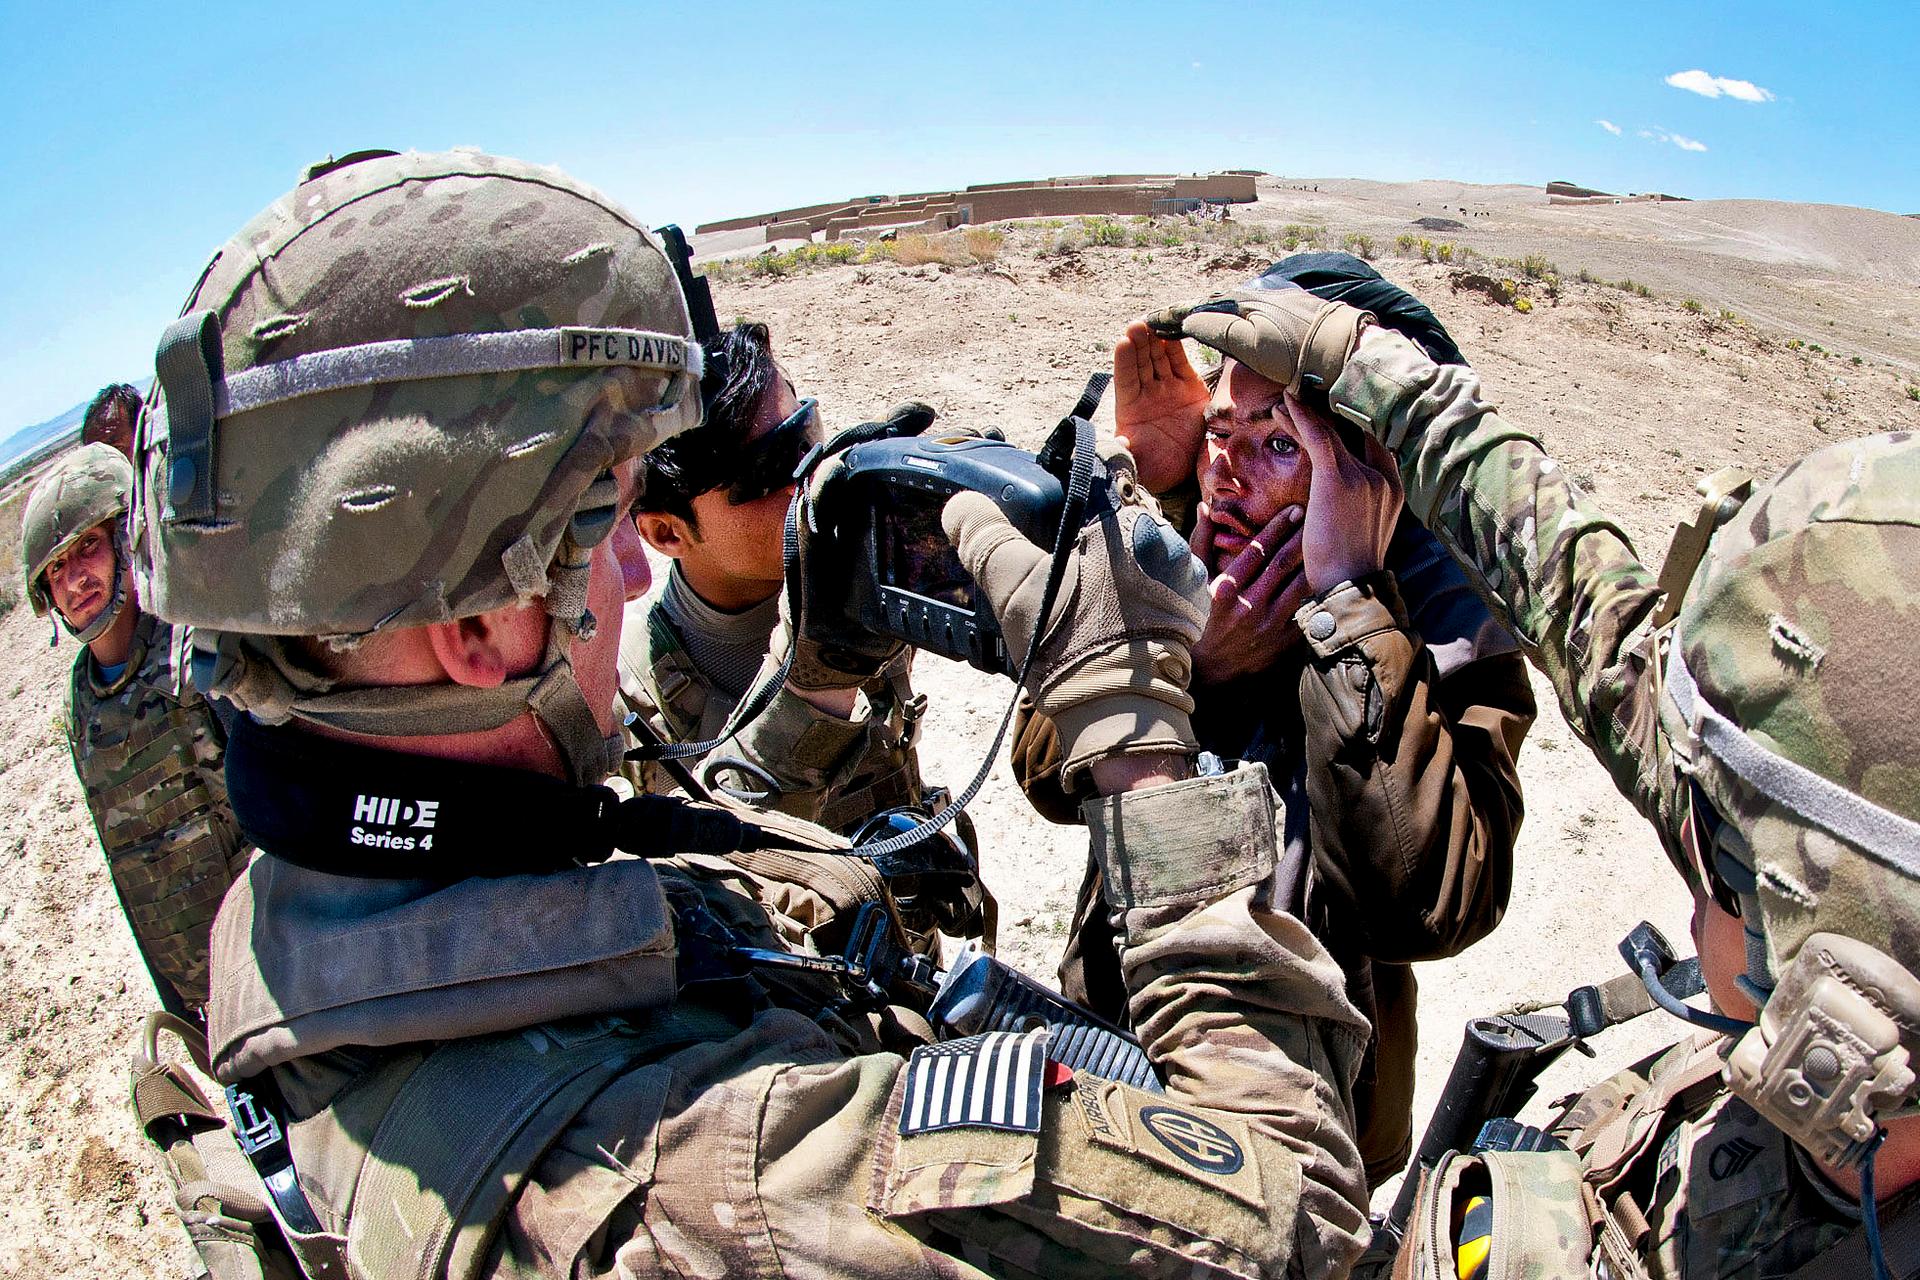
[1114, 662]
[1287, 336]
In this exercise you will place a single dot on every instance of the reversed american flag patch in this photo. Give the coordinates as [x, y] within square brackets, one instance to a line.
[992, 1081]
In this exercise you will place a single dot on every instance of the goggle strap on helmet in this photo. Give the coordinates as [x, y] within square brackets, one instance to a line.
[188, 363]
[1880, 833]
[1721, 495]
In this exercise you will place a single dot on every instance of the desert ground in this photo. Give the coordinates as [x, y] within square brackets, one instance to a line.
[1803, 328]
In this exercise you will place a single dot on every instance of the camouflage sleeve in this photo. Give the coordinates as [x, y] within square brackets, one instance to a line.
[805, 753]
[1244, 1166]
[1565, 577]
[1240, 1008]
[1414, 794]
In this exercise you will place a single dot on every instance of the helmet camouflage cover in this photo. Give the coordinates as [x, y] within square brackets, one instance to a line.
[88, 487]
[1789, 694]
[393, 399]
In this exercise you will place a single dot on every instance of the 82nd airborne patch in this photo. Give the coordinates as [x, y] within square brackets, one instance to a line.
[1201, 1143]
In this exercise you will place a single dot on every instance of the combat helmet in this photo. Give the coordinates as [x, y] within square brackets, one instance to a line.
[1788, 700]
[394, 399]
[88, 487]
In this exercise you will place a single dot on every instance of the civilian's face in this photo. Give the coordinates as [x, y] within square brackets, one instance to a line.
[115, 428]
[1252, 465]
[80, 578]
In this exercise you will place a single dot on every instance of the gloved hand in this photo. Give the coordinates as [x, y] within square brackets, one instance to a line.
[1287, 336]
[1114, 662]
[911, 417]
[817, 668]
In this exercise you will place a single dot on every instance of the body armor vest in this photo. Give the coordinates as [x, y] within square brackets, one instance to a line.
[149, 752]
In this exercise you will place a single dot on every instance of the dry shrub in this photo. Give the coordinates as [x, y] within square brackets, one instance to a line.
[961, 248]
[983, 243]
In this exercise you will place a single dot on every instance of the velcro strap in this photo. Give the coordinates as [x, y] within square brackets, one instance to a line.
[164, 1091]
[1189, 841]
[188, 363]
[1690, 539]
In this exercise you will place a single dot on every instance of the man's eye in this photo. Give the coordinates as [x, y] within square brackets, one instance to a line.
[1283, 445]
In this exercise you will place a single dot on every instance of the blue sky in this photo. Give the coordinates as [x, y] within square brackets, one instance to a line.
[134, 139]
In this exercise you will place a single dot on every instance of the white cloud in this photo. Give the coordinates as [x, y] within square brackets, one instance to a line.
[1609, 126]
[1677, 139]
[1698, 81]
[1196, 66]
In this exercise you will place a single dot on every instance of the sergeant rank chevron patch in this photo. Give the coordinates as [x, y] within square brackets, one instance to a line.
[991, 1081]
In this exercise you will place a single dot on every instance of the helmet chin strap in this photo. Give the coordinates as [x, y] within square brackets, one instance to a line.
[552, 694]
[261, 675]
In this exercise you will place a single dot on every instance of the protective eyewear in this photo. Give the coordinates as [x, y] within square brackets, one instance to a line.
[772, 459]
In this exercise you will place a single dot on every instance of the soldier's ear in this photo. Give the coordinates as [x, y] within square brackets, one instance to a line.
[481, 651]
[668, 534]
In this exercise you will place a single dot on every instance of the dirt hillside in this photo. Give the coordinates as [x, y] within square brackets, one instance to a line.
[1804, 327]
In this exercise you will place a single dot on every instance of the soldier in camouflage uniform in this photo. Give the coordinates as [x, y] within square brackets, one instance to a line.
[715, 502]
[503, 1050]
[1747, 701]
[148, 748]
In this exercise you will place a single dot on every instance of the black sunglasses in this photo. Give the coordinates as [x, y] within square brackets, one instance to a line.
[772, 459]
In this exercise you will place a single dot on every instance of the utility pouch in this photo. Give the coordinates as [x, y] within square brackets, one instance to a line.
[1543, 1222]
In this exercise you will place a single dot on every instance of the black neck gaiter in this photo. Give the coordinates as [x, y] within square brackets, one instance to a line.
[352, 810]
